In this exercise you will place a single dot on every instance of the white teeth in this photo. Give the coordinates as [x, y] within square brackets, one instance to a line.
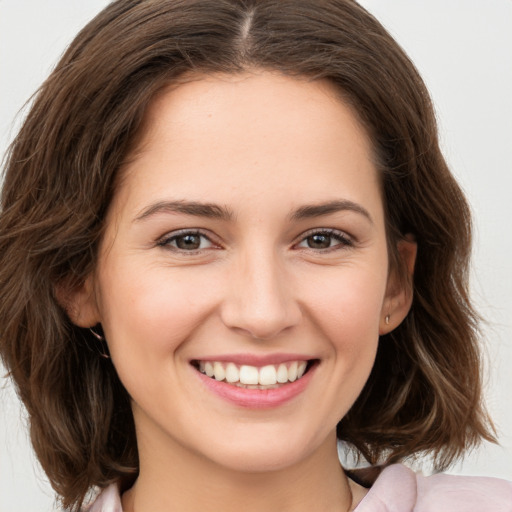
[232, 373]
[251, 376]
[282, 374]
[218, 371]
[301, 368]
[292, 372]
[268, 376]
[208, 369]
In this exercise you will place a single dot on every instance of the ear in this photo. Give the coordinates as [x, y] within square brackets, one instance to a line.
[399, 292]
[79, 301]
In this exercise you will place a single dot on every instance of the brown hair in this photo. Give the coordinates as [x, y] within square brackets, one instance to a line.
[424, 391]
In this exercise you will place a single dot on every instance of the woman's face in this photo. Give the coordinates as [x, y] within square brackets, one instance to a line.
[246, 239]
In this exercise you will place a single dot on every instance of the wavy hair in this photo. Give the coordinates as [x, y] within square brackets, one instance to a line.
[424, 393]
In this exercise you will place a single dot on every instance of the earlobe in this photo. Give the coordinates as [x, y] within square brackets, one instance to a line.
[79, 302]
[399, 294]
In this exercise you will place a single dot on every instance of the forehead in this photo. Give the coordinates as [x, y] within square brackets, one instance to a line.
[257, 99]
[225, 135]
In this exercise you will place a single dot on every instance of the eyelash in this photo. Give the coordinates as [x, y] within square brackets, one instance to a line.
[344, 240]
[176, 235]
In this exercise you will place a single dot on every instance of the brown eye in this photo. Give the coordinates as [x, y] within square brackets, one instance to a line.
[186, 241]
[323, 240]
[319, 241]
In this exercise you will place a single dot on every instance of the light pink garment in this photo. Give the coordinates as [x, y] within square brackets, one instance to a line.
[398, 489]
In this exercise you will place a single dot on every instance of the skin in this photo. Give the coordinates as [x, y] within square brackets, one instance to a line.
[261, 147]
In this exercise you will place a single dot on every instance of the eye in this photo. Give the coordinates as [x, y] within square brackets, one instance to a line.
[186, 241]
[325, 239]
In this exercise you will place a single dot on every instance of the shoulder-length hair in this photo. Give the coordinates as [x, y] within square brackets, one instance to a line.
[424, 393]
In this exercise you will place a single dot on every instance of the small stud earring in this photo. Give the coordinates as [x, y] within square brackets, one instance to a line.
[387, 319]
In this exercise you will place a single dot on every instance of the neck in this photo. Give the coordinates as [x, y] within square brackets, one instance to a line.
[182, 481]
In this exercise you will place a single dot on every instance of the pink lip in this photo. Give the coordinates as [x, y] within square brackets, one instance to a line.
[257, 398]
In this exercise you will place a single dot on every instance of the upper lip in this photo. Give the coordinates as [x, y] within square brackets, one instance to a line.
[258, 360]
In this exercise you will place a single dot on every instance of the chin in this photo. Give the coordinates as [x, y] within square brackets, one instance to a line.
[265, 451]
[259, 460]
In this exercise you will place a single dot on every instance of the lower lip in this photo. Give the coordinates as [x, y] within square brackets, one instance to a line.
[258, 398]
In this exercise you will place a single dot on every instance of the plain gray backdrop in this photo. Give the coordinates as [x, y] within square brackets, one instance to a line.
[463, 49]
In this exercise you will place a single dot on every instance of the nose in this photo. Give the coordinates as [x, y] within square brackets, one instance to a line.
[260, 301]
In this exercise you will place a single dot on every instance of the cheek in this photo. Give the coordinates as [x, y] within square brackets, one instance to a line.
[151, 313]
[345, 308]
[347, 305]
[147, 319]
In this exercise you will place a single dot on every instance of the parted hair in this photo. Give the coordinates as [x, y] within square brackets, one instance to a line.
[424, 392]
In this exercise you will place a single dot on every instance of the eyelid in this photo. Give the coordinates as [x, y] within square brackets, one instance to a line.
[164, 241]
[346, 240]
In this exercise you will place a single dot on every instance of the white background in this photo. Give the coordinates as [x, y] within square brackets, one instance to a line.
[463, 48]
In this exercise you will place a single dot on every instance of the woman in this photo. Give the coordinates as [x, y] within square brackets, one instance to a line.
[244, 243]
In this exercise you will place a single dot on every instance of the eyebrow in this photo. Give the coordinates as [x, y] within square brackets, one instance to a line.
[318, 210]
[215, 211]
[197, 209]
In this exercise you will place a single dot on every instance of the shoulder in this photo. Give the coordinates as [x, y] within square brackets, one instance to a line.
[399, 489]
[463, 493]
[108, 500]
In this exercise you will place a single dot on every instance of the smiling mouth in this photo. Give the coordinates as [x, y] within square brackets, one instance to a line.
[253, 377]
